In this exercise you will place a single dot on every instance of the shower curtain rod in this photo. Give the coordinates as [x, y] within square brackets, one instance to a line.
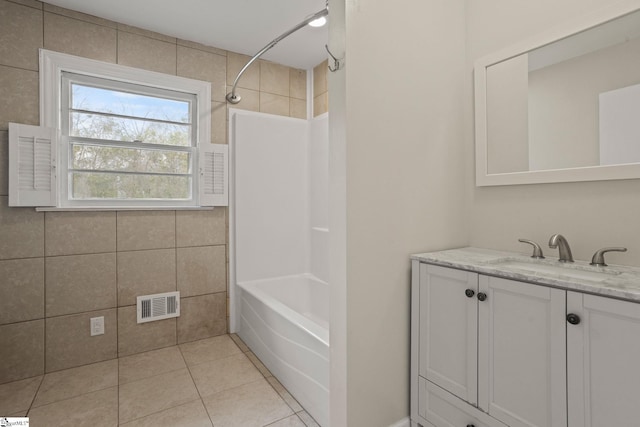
[231, 96]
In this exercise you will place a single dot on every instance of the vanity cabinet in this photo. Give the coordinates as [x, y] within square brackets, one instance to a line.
[494, 352]
[492, 343]
[603, 353]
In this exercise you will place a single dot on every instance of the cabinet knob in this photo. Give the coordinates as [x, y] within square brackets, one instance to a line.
[482, 296]
[574, 319]
[470, 425]
[469, 293]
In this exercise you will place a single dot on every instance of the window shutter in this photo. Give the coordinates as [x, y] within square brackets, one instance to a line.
[214, 175]
[32, 169]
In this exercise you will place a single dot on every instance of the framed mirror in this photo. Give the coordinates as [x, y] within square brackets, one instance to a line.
[564, 106]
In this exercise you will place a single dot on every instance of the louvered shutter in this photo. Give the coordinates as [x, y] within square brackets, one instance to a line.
[214, 175]
[32, 168]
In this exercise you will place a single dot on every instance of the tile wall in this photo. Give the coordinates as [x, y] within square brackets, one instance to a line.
[59, 269]
[320, 89]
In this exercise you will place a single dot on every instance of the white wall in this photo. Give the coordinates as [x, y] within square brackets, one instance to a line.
[590, 214]
[338, 219]
[397, 187]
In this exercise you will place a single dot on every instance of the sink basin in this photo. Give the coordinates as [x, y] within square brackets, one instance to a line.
[555, 270]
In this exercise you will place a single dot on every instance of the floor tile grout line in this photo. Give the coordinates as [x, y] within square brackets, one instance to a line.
[161, 410]
[285, 391]
[221, 391]
[308, 415]
[221, 358]
[272, 386]
[301, 420]
[292, 414]
[266, 378]
[118, 384]
[33, 400]
[105, 388]
[233, 388]
[73, 397]
[153, 376]
[195, 385]
[282, 397]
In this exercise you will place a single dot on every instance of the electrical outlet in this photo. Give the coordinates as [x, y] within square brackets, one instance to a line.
[97, 326]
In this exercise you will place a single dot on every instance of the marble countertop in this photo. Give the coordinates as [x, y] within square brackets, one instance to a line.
[613, 281]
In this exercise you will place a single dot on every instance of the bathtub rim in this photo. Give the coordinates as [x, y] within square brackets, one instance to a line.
[297, 319]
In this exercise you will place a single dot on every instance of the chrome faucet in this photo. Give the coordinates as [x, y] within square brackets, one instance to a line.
[558, 241]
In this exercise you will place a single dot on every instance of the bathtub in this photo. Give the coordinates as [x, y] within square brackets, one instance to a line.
[285, 322]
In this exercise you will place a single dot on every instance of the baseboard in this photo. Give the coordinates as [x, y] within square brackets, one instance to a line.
[405, 422]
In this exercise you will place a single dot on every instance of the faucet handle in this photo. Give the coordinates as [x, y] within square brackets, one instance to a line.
[537, 250]
[598, 257]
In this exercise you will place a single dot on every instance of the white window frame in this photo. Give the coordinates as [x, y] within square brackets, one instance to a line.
[54, 64]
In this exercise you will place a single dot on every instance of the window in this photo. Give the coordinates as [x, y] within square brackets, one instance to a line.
[126, 138]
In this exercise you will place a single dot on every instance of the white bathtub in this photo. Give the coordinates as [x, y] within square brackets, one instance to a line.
[285, 321]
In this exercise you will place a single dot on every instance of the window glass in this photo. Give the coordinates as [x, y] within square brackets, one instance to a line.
[88, 98]
[115, 186]
[126, 141]
[115, 158]
[99, 126]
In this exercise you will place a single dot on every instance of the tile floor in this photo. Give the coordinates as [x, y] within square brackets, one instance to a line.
[213, 382]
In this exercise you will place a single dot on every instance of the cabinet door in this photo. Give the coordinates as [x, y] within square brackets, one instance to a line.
[603, 355]
[442, 409]
[448, 330]
[522, 353]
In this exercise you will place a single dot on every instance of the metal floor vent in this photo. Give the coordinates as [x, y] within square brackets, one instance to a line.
[158, 306]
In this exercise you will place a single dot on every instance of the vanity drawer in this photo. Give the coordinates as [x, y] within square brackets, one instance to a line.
[442, 409]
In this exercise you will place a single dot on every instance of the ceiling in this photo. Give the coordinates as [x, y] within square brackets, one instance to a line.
[242, 26]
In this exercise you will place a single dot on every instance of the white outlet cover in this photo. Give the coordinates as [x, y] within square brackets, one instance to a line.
[97, 326]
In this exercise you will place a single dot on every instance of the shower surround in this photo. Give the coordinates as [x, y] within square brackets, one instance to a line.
[279, 250]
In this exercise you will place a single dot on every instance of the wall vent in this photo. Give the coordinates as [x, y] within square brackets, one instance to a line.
[158, 306]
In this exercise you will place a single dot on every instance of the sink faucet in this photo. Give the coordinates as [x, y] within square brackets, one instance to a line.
[558, 241]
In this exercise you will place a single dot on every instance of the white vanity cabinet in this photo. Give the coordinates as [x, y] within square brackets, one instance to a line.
[493, 343]
[494, 352]
[603, 364]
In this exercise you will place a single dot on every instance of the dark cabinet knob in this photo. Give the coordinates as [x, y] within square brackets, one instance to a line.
[574, 319]
[470, 293]
[482, 296]
[470, 425]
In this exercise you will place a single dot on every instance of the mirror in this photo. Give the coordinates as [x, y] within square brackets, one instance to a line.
[564, 106]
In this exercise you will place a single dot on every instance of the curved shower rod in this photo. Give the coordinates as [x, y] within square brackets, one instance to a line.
[231, 96]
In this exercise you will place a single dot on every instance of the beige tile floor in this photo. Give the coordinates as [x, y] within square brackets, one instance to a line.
[215, 382]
